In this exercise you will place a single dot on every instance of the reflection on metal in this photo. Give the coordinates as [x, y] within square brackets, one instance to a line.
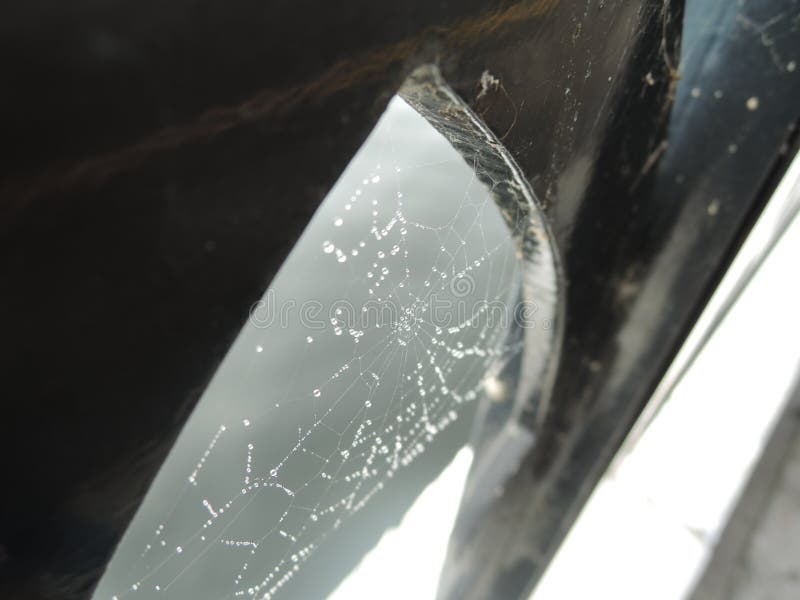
[654, 518]
[779, 213]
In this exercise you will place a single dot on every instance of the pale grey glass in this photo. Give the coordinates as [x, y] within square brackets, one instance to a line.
[352, 385]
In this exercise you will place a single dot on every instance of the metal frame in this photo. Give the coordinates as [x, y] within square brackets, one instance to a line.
[162, 160]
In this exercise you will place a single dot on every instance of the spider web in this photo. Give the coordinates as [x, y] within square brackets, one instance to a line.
[353, 384]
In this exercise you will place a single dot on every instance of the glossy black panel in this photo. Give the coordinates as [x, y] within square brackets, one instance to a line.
[161, 160]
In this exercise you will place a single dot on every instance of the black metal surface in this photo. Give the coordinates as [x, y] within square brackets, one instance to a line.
[651, 231]
[161, 160]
